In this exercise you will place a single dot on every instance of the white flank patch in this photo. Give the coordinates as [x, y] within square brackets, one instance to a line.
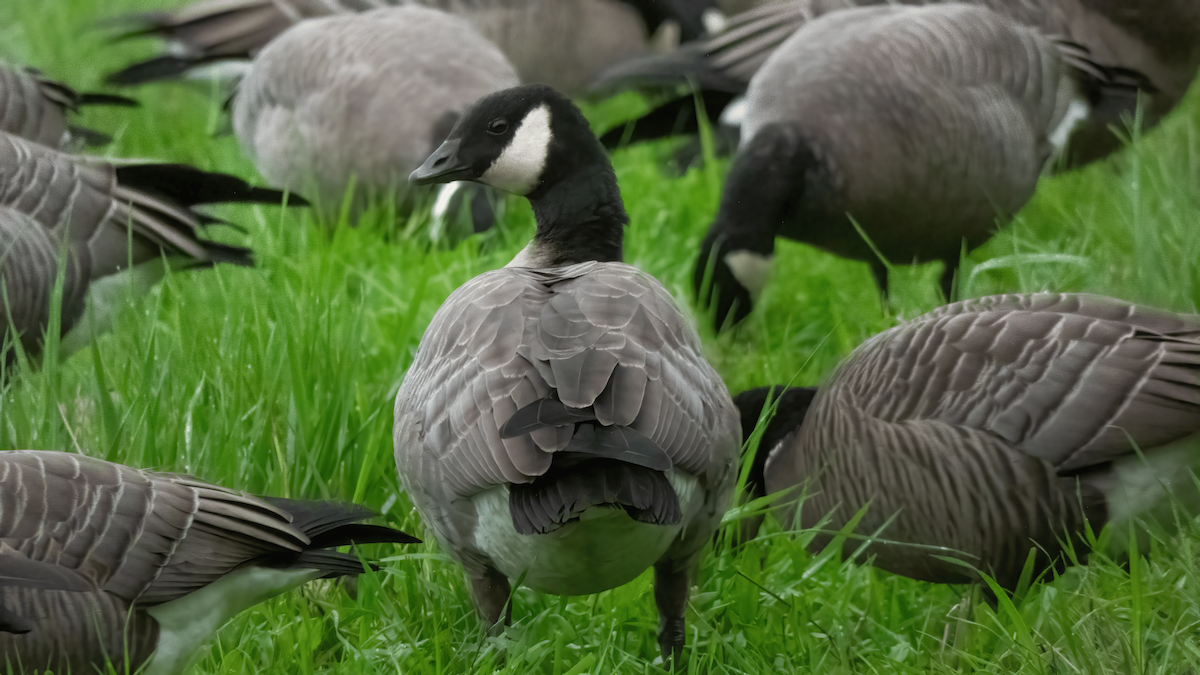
[186, 624]
[714, 20]
[519, 167]
[735, 113]
[1077, 113]
[752, 270]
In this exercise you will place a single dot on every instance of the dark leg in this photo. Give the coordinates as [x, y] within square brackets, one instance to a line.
[880, 272]
[492, 593]
[671, 595]
[948, 277]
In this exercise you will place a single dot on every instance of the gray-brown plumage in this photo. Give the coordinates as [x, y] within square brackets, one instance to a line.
[988, 429]
[39, 109]
[18, 570]
[559, 424]
[99, 218]
[362, 99]
[923, 125]
[1158, 40]
[564, 43]
[171, 559]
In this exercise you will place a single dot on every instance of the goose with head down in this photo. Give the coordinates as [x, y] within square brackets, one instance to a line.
[893, 134]
[106, 217]
[104, 566]
[559, 423]
[39, 109]
[989, 431]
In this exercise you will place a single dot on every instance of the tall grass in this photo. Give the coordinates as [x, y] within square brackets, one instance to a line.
[280, 380]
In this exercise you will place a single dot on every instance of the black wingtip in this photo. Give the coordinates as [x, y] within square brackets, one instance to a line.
[12, 623]
[153, 70]
[190, 186]
[93, 98]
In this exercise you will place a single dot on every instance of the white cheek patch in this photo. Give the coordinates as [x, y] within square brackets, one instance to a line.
[752, 270]
[519, 167]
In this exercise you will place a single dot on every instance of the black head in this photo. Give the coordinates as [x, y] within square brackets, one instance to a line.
[522, 140]
[792, 407]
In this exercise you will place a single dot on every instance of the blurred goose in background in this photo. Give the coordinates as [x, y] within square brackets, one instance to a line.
[919, 125]
[362, 99]
[171, 558]
[559, 424]
[987, 431]
[38, 109]
[99, 218]
[563, 43]
[1159, 40]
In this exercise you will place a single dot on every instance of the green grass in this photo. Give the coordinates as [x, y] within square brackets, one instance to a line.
[280, 380]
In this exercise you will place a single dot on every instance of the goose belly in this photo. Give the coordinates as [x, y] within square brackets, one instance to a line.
[604, 549]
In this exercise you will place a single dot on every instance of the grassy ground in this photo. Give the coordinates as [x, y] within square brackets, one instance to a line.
[280, 380]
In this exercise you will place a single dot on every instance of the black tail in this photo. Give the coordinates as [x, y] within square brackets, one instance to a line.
[161, 68]
[189, 186]
[561, 495]
[793, 403]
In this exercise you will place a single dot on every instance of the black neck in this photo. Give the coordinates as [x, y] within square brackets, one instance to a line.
[580, 217]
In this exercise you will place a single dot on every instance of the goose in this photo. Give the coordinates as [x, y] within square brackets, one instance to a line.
[918, 125]
[559, 423]
[362, 99]
[987, 431]
[171, 558]
[563, 43]
[1160, 41]
[107, 217]
[37, 109]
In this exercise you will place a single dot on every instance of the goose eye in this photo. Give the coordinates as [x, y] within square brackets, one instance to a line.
[497, 127]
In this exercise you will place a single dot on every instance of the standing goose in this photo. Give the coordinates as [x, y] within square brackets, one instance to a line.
[362, 99]
[563, 43]
[920, 124]
[37, 109]
[988, 428]
[171, 559]
[107, 217]
[559, 423]
[1160, 41]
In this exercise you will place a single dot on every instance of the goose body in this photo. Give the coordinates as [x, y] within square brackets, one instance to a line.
[988, 429]
[362, 99]
[38, 109]
[563, 43]
[171, 558]
[1159, 41]
[559, 421]
[922, 124]
[105, 218]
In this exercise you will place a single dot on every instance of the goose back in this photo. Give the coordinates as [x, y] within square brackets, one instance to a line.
[37, 109]
[361, 98]
[602, 338]
[989, 427]
[29, 261]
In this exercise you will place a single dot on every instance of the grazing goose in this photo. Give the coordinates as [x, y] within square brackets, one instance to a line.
[37, 109]
[171, 559]
[559, 423]
[1159, 40]
[107, 217]
[990, 428]
[563, 43]
[362, 99]
[920, 124]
